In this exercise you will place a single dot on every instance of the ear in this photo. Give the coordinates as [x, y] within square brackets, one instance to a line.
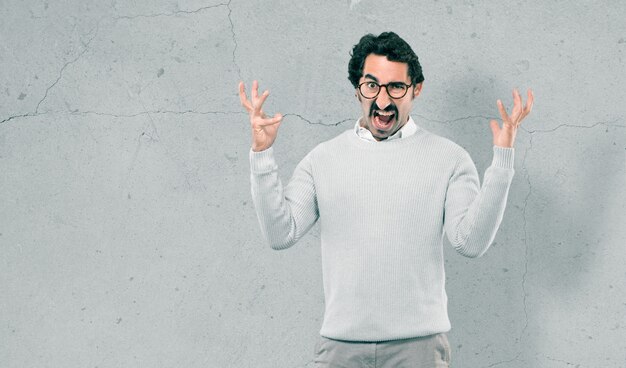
[417, 89]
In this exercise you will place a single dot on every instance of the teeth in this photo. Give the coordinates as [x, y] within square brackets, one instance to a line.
[385, 113]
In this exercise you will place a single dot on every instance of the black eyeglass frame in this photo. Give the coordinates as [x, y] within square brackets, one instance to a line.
[380, 87]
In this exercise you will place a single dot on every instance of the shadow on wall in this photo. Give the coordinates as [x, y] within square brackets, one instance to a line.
[575, 187]
[566, 176]
[571, 173]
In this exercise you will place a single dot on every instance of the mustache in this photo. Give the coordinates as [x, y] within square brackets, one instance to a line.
[390, 108]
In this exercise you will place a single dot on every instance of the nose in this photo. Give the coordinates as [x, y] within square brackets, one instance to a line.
[383, 100]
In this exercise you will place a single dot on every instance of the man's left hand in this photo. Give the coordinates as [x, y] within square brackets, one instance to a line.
[505, 136]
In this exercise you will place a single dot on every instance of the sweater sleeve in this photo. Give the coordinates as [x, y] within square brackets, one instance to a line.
[473, 214]
[285, 215]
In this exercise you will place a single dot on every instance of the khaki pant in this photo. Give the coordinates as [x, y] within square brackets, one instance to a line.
[420, 352]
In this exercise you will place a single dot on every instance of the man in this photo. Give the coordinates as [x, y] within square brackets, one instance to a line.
[384, 193]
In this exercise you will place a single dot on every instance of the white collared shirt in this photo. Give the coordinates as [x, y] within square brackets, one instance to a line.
[406, 131]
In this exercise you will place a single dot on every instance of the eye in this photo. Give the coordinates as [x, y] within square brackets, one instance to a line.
[397, 86]
[372, 85]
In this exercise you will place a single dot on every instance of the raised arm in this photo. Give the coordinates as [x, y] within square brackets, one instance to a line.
[473, 213]
[285, 214]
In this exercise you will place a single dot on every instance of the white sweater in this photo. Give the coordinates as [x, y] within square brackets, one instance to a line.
[382, 255]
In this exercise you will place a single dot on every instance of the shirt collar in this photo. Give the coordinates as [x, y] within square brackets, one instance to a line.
[406, 131]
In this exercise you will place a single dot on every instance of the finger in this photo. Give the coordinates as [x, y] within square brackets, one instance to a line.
[271, 121]
[494, 125]
[517, 105]
[529, 102]
[528, 107]
[255, 91]
[503, 114]
[495, 128]
[259, 103]
[243, 98]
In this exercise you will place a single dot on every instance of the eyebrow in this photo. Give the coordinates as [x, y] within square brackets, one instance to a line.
[371, 77]
[376, 79]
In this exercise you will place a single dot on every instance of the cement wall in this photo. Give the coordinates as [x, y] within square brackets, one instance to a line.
[127, 233]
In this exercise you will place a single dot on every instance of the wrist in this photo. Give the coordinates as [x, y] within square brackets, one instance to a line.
[259, 148]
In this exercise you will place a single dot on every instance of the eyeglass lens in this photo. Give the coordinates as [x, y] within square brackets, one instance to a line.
[372, 89]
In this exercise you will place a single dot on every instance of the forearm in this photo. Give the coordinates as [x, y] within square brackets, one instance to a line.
[284, 214]
[478, 228]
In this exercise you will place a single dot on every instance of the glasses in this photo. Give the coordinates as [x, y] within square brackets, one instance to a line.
[371, 89]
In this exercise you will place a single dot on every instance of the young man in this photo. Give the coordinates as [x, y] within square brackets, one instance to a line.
[384, 192]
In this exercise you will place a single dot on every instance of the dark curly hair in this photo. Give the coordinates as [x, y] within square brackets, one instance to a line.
[386, 44]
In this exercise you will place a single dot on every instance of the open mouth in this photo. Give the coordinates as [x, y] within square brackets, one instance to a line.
[383, 120]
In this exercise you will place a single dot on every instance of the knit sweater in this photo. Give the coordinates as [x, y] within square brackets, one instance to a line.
[383, 208]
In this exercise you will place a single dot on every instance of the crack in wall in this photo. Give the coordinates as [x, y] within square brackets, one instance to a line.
[65, 66]
[183, 112]
[530, 189]
[457, 119]
[150, 134]
[312, 123]
[525, 273]
[308, 121]
[230, 20]
[61, 71]
[78, 112]
[18, 116]
[610, 123]
[170, 14]
[576, 365]
[502, 362]
[232, 30]
[36, 112]
[605, 123]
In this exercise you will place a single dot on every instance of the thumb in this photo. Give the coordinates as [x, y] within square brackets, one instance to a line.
[495, 129]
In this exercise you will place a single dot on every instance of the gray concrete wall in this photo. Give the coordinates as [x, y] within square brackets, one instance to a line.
[127, 234]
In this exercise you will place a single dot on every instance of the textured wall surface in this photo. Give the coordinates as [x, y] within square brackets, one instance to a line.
[127, 234]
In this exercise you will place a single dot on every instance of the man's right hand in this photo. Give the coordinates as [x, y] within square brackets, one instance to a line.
[264, 128]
